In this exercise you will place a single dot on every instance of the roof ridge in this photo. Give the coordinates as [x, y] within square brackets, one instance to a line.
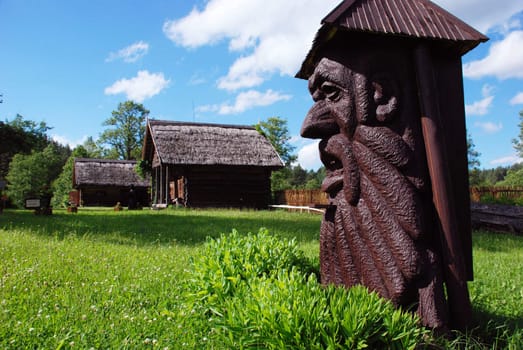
[99, 160]
[183, 123]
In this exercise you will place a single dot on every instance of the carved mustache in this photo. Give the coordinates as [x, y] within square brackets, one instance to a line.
[342, 168]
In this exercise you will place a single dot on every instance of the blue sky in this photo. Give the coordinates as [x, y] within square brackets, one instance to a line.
[69, 63]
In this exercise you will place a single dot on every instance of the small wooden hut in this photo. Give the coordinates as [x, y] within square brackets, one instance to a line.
[209, 165]
[104, 182]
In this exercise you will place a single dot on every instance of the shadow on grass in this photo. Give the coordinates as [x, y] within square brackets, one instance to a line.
[147, 227]
[494, 328]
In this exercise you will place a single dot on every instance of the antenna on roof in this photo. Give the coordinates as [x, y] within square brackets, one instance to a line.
[193, 114]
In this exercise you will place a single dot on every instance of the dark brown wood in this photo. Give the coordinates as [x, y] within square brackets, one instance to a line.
[390, 115]
[497, 217]
[443, 193]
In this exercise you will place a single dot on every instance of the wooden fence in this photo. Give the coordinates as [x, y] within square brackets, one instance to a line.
[315, 197]
[499, 192]
[302, 197]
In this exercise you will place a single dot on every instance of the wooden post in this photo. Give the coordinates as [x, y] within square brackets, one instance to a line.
[454, 266]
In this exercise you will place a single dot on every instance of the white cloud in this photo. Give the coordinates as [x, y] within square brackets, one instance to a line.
[504, 60]
[482, 106]
[484, 14]
[309, 156]
[246, 100]
[145, 85]
[63, 140]
[508, 160]
[517, 100]
[489, 127]
[131, 53]
[275, 42]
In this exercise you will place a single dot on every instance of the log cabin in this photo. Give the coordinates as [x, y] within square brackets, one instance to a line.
[104, 182]
[209, 165]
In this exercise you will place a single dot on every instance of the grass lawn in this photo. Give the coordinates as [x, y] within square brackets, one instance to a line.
[104, 279]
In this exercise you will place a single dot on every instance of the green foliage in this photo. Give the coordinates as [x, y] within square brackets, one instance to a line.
[125, 140]
[92, 149]
[518, 143]
[276, 131]
[295, 177]
[143, 168]
[64, 183]
[513, 178]
[32, 175]
[472, 154]
[20, 136]
[258, 291]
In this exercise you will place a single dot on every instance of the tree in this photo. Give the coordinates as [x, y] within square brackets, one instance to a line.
[64, 183]
[473, 163]
[126, 138]
[518, 143]
[276, 131]
[32, 174]
[92, 149]
[20, 136]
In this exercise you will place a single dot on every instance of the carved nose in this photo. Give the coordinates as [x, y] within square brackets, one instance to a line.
[319, 123]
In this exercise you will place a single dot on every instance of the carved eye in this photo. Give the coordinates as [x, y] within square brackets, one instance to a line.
[330, 90]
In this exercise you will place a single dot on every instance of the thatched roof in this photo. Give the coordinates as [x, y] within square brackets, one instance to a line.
[182, 143]
[414, 19]
[105, 172]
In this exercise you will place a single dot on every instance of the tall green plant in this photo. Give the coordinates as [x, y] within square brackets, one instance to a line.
[32, 175]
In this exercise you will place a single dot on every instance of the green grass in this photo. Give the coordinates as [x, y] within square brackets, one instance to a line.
[105, 279]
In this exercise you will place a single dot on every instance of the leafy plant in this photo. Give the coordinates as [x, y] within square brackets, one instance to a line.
[259, 291]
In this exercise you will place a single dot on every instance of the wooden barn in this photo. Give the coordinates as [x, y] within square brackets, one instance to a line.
[104, 182]
[209, 165]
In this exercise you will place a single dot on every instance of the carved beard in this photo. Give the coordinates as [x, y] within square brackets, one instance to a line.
[370, 235]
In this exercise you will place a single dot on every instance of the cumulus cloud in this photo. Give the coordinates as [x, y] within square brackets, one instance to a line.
[131, 53]
[309, 156]
[504, 60]
[63, 140]
[245, 101]
[482, 106]
[489, 127]
[507, 160]
[145, 85]
[484, 15]
[517, 100]
[276, 42]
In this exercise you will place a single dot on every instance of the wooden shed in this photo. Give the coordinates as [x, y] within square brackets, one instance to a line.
[104, 182]
[209, 165]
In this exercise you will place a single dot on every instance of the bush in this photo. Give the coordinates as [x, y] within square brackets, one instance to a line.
[260, 291]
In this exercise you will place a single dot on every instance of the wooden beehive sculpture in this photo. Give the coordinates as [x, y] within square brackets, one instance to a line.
[386, 79]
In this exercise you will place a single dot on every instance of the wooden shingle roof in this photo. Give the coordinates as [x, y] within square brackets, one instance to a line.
[182, 143]
[105, 172]
[415, 19]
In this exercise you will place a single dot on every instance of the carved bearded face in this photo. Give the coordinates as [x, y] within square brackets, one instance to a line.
[369, 234]
[333, 113]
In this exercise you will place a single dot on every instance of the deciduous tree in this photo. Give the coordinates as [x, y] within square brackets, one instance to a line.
[276, 131]
[125, 138]
[32, 174]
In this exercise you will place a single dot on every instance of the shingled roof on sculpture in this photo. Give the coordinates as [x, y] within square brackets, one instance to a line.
[105, 172]
[182, 143]
[419, 19]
